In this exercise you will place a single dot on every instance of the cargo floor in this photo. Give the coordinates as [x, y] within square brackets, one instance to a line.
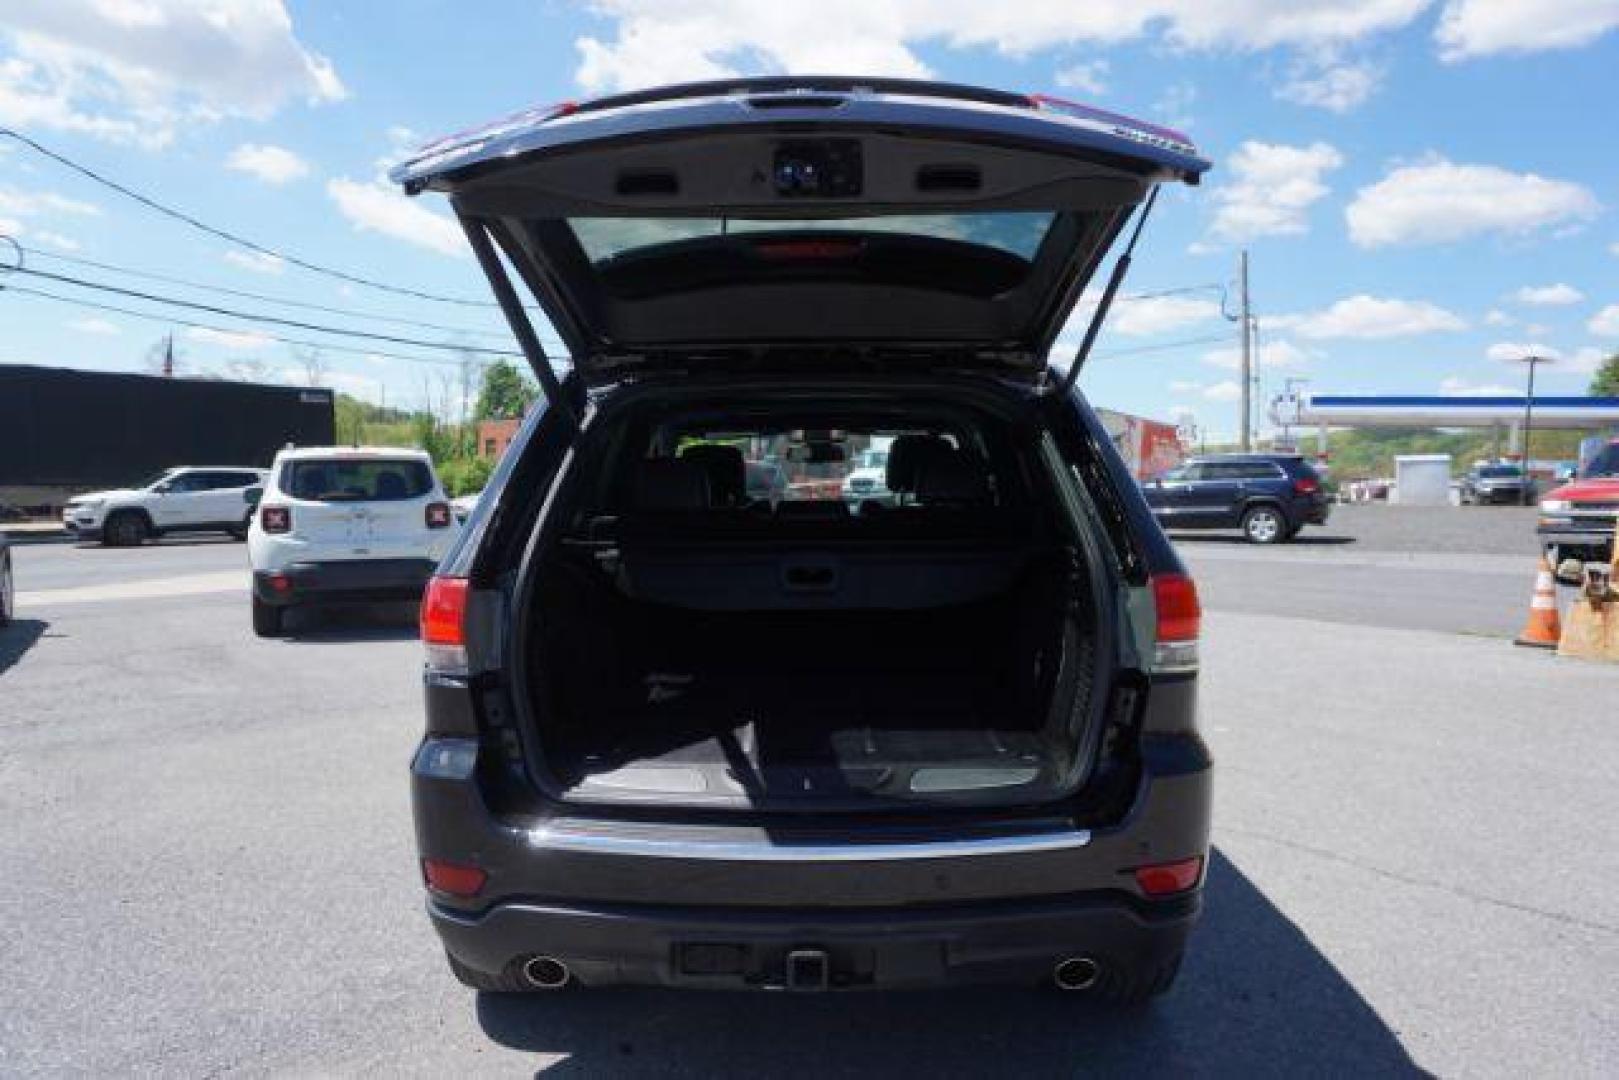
[811, 738]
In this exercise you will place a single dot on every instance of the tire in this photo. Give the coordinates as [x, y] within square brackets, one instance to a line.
[1264, 525]
[267, 619]
[1129, 989]
[8, 594]
[125, 528]
[507, 982]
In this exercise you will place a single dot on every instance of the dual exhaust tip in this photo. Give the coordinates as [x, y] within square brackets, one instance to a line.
[546, 973]
[1076, 973]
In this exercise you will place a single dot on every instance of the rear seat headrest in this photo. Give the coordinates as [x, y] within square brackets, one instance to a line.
[908, 454]
[671, 484]
[727, 471]
[952, 478]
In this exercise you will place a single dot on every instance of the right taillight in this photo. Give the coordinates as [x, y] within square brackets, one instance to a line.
[438, 515]
[275, 519]
[1180, 619]
[444, 613]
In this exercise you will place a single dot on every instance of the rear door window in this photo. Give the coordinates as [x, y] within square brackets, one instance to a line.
[369, 480]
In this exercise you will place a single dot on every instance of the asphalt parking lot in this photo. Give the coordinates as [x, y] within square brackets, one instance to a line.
[210, 865]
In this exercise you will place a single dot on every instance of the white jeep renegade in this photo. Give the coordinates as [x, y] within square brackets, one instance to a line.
[340, 524]
[193, 499]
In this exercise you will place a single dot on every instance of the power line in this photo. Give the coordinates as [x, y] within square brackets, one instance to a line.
[1185, 343]
[230, 237]
[271, 320]
[176, 321]
[250, 295]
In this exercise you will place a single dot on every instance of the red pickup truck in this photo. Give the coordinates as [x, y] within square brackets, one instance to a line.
[1577, 520]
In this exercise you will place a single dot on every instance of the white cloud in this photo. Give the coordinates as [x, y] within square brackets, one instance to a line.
[1160, 314]
[30, 203]
[1438, 201]
[656, 41]
[135, 70]
[1174, 105]
[1605, 323]
[57, 240]
[1229, 390]
[1613, 248]
[1371, 318]
[1587, 359]
[1184, 386]
[100, 327]
[1324, 80]
[1272, 189]
[272, 164]
[1559, 295]
[1456, 386]
[1269, 356]
[1470, 28]
[257, 261]
[1497, 317]
[238, 340]
[1508, 351]
[376, 207]
[1087, 76]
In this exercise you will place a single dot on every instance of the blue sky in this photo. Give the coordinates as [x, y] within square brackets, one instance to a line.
[1425, 187]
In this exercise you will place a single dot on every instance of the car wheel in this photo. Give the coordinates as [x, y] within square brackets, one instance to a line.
[126, 529]
[1264, 525]
[267, 618]
[8, 593]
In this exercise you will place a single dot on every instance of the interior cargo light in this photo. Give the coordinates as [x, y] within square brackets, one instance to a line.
[1180, 618]
[1167, 879]
[452, 878]
[444, 609]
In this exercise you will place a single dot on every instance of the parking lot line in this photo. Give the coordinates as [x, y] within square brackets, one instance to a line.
[220, 581]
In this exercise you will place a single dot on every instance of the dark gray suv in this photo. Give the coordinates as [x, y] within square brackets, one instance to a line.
[682, 735]
[1270, 497]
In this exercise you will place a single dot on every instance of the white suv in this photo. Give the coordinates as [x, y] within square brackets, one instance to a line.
[203, 498]
[344, 524]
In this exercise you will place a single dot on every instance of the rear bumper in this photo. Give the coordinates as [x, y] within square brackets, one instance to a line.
[342, 580]
[715, 949]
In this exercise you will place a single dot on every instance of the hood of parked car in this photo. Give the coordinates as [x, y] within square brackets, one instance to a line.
[1591, 489]
[101, 496]
[792, 223]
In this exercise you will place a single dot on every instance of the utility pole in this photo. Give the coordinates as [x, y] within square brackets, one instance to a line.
[1247, 358]
[168, 356]
[1529, 421]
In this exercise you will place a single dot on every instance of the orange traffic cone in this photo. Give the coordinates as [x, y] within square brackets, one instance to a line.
[1543, 630]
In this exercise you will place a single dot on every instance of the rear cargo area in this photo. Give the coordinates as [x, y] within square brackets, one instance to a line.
[703, 650]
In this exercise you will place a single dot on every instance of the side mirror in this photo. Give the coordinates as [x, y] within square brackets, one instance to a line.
[252, 496]
[164, 488]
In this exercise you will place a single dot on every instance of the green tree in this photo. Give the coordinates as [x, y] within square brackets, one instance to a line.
[505, 392]
[1606, 381]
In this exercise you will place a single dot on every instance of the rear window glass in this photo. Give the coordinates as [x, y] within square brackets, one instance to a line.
[1498, 472]
[1014, 232]
[371, 480]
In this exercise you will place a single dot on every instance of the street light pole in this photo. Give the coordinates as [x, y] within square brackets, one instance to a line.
[1529, 421]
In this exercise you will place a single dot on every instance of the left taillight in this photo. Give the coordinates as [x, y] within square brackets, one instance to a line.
[438, 515]
[1180, 621]
[1306, 485]
[275, 519]
[444, 613]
